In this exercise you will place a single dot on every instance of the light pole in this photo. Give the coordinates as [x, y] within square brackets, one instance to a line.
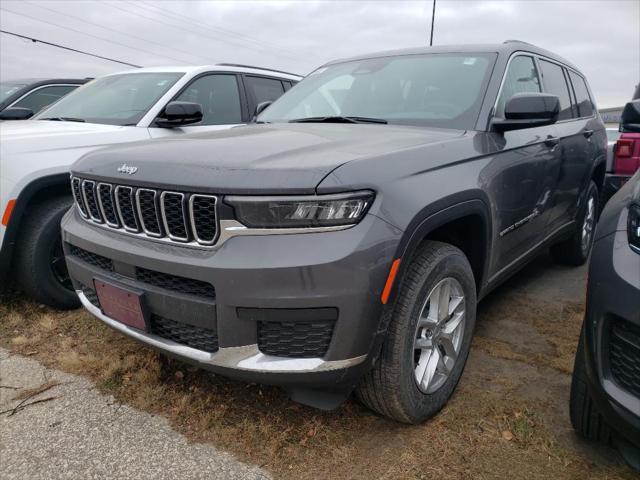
[433, 18]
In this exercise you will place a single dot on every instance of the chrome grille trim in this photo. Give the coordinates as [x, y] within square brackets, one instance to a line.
[91, 203]
[76, 188]
[194, 227]
[113, 204]
[155, 209]
[163, 212]
[128, 228]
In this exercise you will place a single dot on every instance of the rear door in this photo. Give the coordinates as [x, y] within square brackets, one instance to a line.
[573, 165]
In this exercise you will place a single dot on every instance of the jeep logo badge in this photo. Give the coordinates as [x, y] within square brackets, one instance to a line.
[124, 168]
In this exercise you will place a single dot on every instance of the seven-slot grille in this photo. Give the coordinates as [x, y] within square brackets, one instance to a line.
[174, 216]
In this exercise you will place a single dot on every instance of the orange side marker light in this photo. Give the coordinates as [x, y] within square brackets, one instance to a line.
[7, 212]
[390, 279]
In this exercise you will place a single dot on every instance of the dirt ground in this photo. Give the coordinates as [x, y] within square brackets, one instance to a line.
[507, 419]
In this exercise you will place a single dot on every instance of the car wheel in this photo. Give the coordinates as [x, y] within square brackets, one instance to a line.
[40, 265]
[576, 249]
[428, 338]
[586, 420]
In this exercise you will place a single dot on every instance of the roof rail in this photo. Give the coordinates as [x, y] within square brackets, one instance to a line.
[257, 68]
[518, 41]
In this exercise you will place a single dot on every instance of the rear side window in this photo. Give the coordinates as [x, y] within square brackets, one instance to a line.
[44, 97]
[219, 97]
[556, 84]
[522, 76]
[585, 106]
[264, 89]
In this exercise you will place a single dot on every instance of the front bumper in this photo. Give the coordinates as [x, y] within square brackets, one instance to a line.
[612, 365]
[342, 271]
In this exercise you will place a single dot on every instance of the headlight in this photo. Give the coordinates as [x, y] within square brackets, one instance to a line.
[633, 227]
[301, 211]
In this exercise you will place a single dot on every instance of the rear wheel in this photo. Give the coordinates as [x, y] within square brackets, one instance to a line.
[576, 249]
[428, 339]
[40, 265]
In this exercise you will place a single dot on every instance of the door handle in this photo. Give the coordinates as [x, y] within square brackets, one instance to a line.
[551, 141]
[588, 133]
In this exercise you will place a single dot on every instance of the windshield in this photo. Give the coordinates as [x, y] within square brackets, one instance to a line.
[114, 100]
[440, 90]
[8, 88]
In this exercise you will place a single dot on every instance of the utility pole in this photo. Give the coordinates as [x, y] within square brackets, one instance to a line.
[433, 18]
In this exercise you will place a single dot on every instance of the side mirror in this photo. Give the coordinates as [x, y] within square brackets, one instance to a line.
[261, 107]
[177, 114]
[16, 113]
[527, 110]
[630, 118]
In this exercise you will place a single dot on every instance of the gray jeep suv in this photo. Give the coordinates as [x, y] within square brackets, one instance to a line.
[343, 241]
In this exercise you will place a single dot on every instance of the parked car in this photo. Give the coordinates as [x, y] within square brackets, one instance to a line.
[343, 241]
[21, 99]
[139, 104]
[605, 392]
[626, 152]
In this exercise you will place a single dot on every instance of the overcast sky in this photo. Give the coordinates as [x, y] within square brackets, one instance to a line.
[602, 37]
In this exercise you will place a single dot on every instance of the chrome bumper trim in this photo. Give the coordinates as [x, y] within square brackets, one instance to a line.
[247, 358]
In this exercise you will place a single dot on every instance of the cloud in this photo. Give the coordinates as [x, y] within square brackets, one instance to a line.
[601, 38]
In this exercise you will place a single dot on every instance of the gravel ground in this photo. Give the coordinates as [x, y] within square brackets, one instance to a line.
[84, 434]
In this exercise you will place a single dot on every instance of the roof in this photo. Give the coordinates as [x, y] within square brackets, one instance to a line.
[196, 69]
[32, 81]
[506, 48]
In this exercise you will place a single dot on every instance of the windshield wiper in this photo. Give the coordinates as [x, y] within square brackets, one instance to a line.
[64, 119]
[338, 119]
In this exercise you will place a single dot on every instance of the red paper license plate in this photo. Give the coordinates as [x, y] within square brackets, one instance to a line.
[121, 304]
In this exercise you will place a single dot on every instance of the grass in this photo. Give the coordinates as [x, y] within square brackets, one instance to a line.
[489, 429]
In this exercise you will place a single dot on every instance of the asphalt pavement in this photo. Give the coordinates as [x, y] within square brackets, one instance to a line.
[83, 434]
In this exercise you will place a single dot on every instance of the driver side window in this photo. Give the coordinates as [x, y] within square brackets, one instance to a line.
[522, 77]
[219, 97]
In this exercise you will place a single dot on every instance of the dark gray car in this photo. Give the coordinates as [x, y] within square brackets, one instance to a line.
[343, 241]
[605, 393]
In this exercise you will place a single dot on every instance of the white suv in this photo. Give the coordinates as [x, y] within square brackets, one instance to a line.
[123, 107]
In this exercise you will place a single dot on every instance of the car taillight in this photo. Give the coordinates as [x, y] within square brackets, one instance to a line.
[626, 156]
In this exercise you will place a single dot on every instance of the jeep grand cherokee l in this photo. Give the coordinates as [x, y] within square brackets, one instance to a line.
[342, 242]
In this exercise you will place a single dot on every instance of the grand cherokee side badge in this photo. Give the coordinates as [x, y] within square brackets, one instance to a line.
[124, 168]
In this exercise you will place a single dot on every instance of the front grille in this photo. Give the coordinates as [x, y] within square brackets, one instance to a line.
[92, 258]
[171, 216]
[624, 355]
[295, 339]
[176, 283]
[194, 337]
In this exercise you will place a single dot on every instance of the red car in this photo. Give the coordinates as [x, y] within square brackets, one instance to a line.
[626, 153]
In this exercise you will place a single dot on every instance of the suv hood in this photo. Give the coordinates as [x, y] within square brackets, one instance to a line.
[45, 135]
[278, 158]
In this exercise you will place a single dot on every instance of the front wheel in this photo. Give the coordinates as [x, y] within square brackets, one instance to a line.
[576, 249]
[428, 339]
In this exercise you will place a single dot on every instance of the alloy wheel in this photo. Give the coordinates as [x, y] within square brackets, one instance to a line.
[439, 333]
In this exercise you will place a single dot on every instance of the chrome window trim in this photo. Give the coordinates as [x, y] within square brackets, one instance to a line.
[535, 57]
[119, 211]
[78, 205]
[192, 220]
[99, 198]
[45, 86]
[86, 203]
[155, 209]
[164, 216]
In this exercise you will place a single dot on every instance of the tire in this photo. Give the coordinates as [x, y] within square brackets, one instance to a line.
[585, 418]
[391, 386]
[40, 265]
[574, 251]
